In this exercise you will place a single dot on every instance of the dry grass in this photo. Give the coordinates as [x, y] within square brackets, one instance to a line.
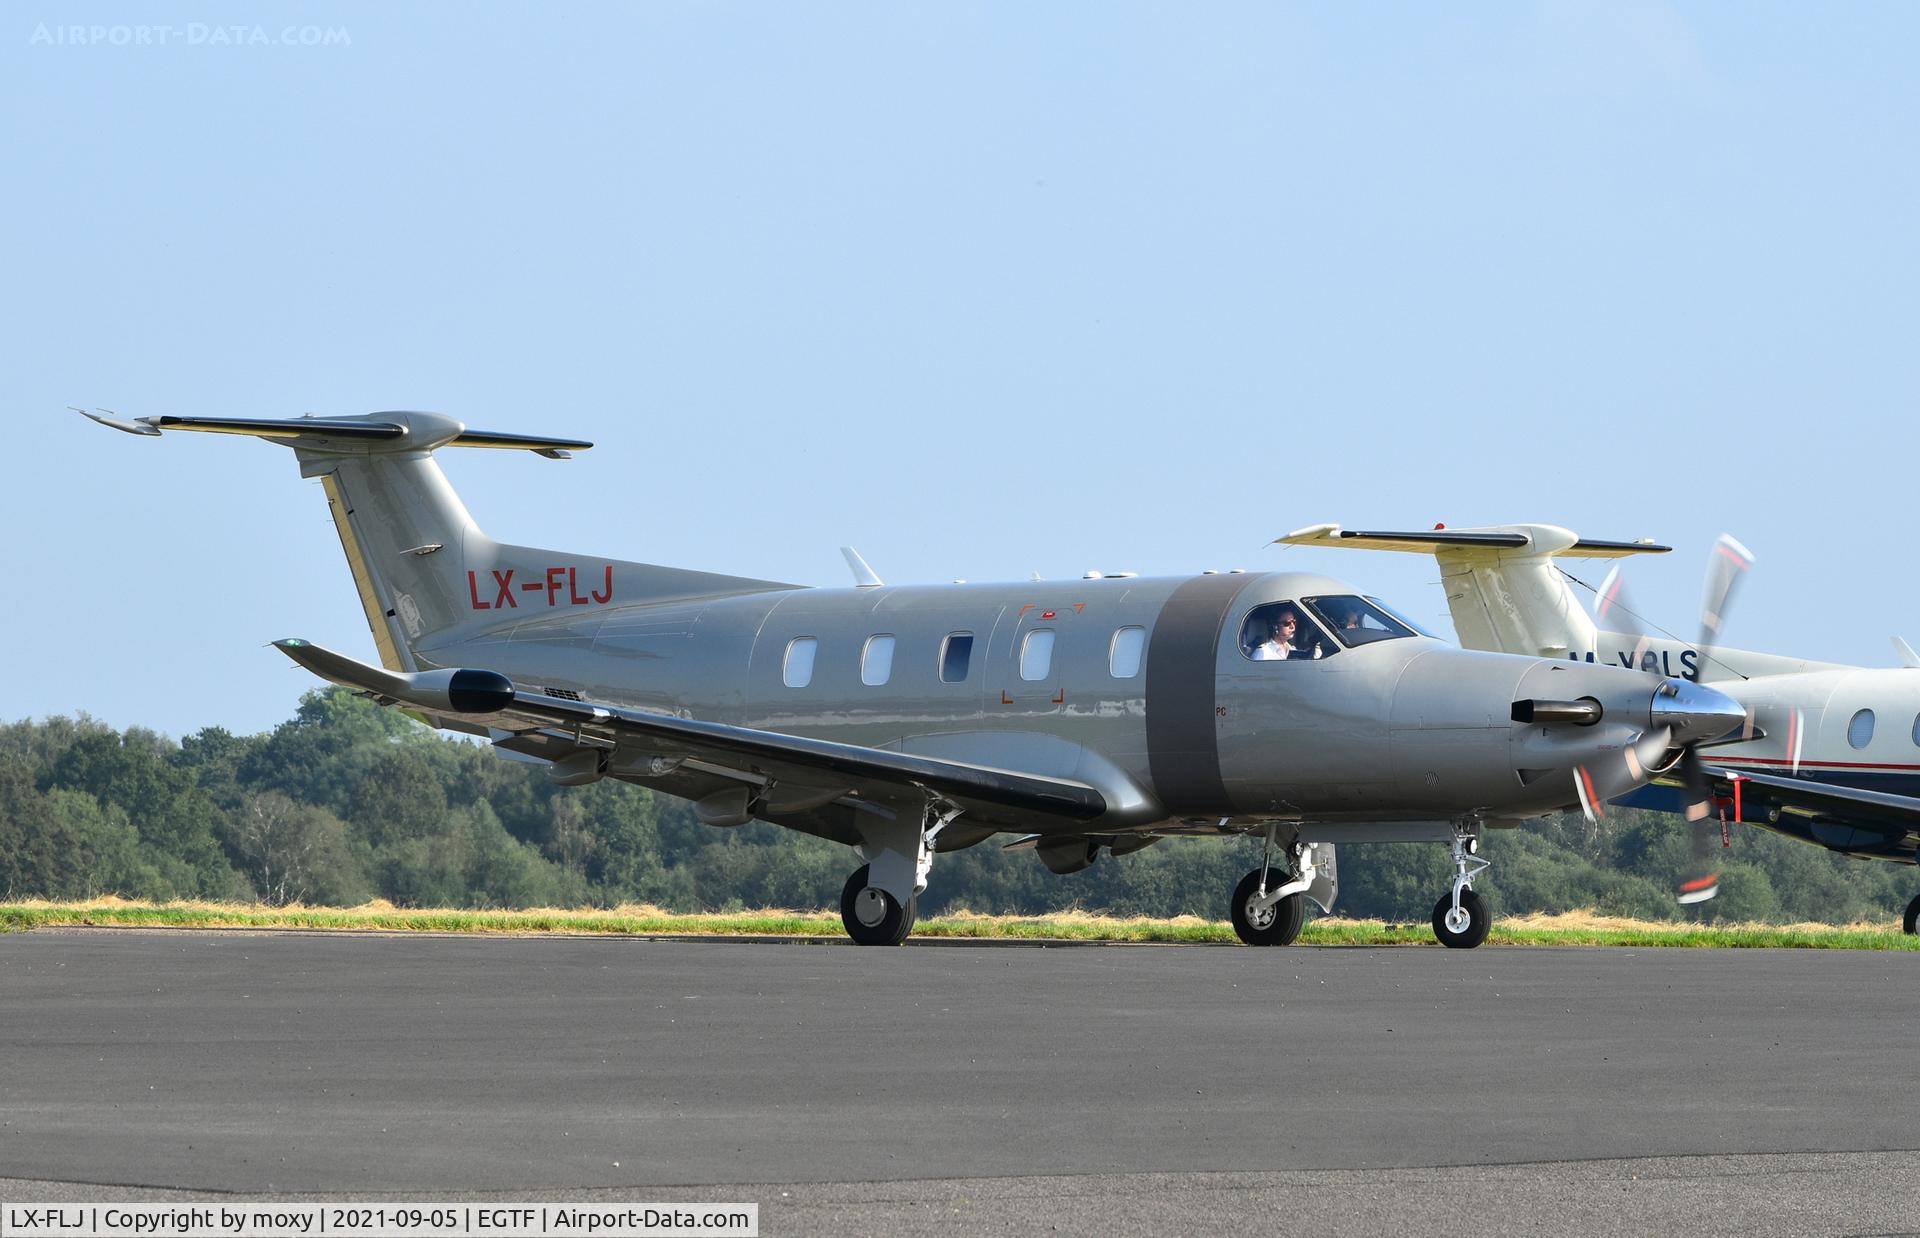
[1576, 928]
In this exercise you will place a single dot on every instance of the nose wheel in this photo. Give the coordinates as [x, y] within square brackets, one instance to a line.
[1465, 926]
[1462, 919]
[872, 916]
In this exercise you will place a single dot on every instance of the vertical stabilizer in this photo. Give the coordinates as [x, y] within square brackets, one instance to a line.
[425, 573]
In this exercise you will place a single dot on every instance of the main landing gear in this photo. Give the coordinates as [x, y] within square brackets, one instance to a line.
[880, 901]
[1267, 910]
[874, 917]
[1911, 921]
[1462, 918]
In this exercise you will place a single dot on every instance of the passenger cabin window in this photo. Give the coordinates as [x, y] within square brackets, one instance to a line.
[1860, 729]
[1036, 654]
[1356, 620]
[1916, 730]
[1123, 657]
[954, 656]
[876, 661]
[1282, 632]
[798, 670]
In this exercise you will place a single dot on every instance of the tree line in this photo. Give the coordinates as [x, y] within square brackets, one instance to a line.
[346, 802]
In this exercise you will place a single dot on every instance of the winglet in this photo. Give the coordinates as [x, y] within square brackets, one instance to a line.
[1908, 658]
[863, 576]
[106, 418]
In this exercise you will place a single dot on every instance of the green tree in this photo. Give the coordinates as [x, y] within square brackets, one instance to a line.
[295, 853]
[398, 799]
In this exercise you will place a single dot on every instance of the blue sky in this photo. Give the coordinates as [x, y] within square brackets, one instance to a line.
[981, 289]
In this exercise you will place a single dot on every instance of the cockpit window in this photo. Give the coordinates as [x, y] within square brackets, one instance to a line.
[1420, 629]
[1282, 632]
[1356, 620]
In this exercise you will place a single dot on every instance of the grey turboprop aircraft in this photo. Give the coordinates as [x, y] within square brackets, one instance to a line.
[1809, 760]
[1086, 716]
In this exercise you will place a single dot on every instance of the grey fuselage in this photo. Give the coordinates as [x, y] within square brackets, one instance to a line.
[1401, 729]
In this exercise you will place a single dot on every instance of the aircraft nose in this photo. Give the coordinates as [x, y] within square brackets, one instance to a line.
[1695, 711]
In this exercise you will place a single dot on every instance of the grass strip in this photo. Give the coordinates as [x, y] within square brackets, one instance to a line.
[1579, 928]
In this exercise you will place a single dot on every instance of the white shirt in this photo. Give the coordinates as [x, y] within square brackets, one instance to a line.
[1278, 651]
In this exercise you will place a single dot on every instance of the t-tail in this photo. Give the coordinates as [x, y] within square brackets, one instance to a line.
[427, 576]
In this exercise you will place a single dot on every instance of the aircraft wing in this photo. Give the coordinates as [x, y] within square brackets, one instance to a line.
[875, 777]
[1851, 820]
[1825, 799]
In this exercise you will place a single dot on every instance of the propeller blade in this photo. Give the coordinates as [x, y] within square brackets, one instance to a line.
[1702, 881]
[1727, 566]
[1592, 807]
[1612, 613]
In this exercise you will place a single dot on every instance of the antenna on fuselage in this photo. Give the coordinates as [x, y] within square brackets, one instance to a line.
[863, 576]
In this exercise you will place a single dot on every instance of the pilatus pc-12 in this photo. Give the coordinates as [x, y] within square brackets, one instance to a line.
[1077, 717]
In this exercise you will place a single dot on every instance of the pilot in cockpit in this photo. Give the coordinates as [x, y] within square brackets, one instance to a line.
[1284, 640]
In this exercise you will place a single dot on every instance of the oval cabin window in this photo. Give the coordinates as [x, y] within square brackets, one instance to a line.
[1860, 730]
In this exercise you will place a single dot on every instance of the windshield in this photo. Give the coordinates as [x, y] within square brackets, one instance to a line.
[1357, 620]
[1418, 627]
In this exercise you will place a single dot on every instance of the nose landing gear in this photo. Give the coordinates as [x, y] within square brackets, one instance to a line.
[1461, 919]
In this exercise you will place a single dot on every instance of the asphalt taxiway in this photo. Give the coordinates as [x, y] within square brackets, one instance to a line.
[1376, 1086]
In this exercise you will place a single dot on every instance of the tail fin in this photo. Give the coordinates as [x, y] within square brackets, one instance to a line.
[426, 574]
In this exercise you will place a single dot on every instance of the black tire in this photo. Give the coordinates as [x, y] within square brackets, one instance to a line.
[894, 922]
[1279, 925]
[1911, 921]
[1479, 920]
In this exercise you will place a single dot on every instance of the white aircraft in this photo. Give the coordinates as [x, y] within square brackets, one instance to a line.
[1829, 755]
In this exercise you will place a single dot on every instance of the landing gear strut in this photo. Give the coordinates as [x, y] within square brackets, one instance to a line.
[1462, 918]
[880, 901]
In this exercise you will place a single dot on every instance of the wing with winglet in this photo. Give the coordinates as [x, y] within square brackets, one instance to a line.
[812, 771]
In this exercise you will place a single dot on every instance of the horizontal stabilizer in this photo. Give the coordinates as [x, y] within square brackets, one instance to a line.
[1496, 538]
[393, 431]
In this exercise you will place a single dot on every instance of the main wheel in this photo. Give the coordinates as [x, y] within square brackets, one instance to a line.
[1911, 921]
[1277, 925]
[874, 917]
[1465, 929]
